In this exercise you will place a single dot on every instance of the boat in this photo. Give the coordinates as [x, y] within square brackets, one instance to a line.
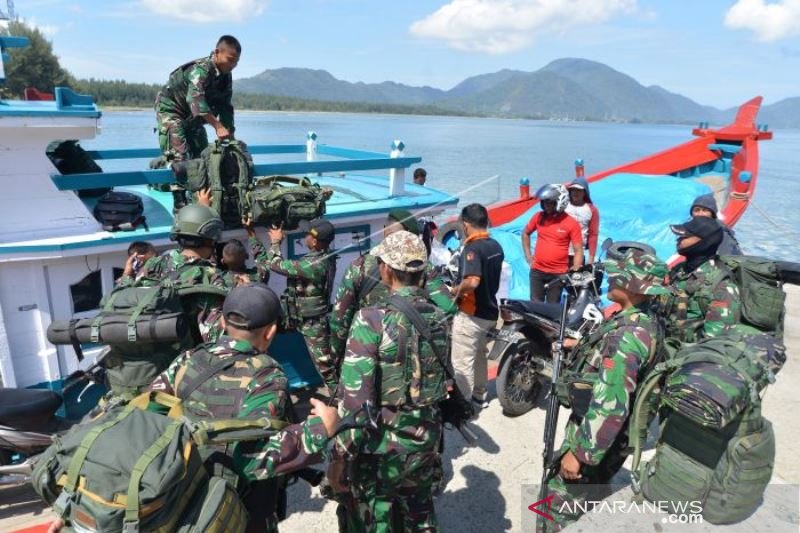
[639, 200]
[57, 262]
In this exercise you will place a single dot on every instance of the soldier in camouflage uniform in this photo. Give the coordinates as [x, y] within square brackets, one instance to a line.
[252, 385]
[196, 229]
[387, 474]
[361, 285]
[309, 282]
[704, 300]
[197, 93]
[614, 359]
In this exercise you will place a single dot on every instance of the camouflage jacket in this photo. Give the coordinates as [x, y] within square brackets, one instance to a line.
[255, 387]
[309, 279]
[172, 264]
[703, 302]
[349, 299]
[617, 360]
[388, 364]
[198, 88]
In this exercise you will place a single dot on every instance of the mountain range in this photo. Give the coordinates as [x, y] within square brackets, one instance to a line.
[568, 88]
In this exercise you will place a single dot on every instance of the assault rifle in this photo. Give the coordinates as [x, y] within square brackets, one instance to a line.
[551, 421]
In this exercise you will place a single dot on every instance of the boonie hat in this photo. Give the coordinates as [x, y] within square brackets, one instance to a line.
[406, 219]
[322, 230]
[702, 227]
[402, 251]
[638, 272]
[251, 306]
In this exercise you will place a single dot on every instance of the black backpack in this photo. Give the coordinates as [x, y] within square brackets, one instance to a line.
[119, 211]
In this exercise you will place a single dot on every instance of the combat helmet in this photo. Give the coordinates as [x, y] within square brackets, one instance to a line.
[198, 222]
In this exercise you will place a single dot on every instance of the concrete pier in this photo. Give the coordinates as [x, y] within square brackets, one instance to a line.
[486, 489]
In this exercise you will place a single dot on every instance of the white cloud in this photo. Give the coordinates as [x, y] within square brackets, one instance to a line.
[769, 21]
[48, 30]
[205, 11]
[501, 26]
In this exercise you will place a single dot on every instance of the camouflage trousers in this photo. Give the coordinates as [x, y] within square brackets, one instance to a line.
[317, 335]
[179, 138]
[569, 496]
[390, 494]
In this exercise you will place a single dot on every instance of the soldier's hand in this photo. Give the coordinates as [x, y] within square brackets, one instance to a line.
[129, 271]
[241, 279]
[223, 133]
[204, 197]
[328, 414]
[247, 224]
[569, 343]
[56, 526]
[275, 234]
[570, 466]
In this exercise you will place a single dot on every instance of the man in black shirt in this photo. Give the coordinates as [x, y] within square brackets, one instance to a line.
[476, 294]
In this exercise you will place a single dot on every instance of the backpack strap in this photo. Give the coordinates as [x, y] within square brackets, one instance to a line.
[236, 149]
[371, 280]
[637, 429]
[407, 308]
[211, 371]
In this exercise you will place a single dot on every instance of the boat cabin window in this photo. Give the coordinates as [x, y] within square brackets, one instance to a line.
[87, 293]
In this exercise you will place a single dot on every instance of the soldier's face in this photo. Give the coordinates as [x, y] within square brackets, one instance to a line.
[226, 58]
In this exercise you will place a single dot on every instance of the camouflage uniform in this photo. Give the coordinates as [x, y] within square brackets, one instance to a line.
[255, 387]
[308, 285]
[185, 270]
[391, 470]
[349, 298]
[613, 359]
[195, 88]
[703, 302]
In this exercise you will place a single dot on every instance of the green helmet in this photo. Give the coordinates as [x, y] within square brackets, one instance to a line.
[197, 221]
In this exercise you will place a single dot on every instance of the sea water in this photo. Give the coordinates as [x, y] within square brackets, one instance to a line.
[483, 159]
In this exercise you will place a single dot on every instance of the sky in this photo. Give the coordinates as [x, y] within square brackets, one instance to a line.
[717, 52]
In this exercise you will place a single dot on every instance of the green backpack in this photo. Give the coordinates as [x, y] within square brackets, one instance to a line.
[135, 470]
[760, 290]
[284, 201]
[226, 167]
[714, 446]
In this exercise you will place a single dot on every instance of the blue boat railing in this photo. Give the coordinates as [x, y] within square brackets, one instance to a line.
[350, 160]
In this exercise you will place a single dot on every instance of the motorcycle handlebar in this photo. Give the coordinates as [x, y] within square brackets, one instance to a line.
[570, 279]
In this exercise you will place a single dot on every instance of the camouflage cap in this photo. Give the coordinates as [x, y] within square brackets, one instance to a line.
[402, 251]
[638, 272]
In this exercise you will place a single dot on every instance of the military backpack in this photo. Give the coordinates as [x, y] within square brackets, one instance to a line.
[285, 200]
[714, 446]
[226, 169]
[132, 469]
[760, 289]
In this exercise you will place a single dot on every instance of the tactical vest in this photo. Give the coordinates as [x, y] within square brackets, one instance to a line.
[575, 385]
[415, 378]
[300, 305]
[700, 292]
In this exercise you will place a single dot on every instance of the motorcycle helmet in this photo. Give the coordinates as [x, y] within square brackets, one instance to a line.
[556, 193]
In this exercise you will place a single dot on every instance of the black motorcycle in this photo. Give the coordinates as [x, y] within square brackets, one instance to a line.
[28, 421]
[522, 345]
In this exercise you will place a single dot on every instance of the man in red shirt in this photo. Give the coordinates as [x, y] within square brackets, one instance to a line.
[556, 231]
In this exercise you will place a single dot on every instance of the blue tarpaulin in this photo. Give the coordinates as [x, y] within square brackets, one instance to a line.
[633, 207]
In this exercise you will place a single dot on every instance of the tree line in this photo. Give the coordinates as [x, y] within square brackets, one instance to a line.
[37, 66]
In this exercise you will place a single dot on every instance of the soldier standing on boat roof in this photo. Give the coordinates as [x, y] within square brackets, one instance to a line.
[253, 385]
[196, 229]
[361, 285]
[613, 360]
[704, 299]
[309, 282]
[198, 93]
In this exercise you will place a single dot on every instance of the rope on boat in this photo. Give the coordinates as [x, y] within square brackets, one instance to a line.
[781, 227]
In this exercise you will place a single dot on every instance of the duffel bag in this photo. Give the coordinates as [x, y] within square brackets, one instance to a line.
[284, 201]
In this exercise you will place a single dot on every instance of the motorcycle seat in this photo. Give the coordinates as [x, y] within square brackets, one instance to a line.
[551, 311]
[23, 405]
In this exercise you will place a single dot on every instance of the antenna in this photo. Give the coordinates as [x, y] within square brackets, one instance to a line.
[10, 13]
